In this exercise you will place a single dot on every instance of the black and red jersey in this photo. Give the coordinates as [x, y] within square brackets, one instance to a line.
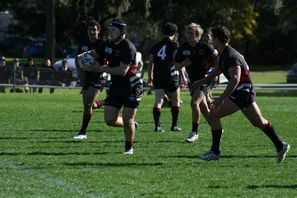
[232, 58]
[123, 52]
[200, 56]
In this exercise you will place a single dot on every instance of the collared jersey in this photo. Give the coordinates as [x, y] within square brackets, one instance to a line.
[200, 56]
[232, 58]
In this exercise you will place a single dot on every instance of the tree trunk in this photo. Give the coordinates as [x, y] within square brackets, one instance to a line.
[50, 30]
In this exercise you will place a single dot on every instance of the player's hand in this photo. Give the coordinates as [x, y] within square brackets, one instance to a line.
[150, 82]
[216, 105]
[95, 68]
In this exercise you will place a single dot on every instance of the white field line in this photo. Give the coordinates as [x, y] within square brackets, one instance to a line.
[49, 179]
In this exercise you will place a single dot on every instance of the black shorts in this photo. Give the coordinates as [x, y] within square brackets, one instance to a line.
[203, 88]
[118, 101]
[92, 80]
[168, 86]
[243, 99]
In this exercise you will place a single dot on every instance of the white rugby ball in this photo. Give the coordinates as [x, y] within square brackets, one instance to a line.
[86, 61]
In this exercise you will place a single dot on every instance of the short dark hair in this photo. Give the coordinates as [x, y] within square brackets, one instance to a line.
[170, 29]
[222, 33]
[93, 22]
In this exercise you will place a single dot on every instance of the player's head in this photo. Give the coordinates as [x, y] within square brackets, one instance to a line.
[194, 31]
[93, 29]
[30, 61]
[64, 63]
[207, 37]
[47, 62]
[222, 34]
[170, 29]
[117, 29]
[2, 60]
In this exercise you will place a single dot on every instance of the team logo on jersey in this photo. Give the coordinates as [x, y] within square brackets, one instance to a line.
[108, 50]
[84, 48]
[186, 52]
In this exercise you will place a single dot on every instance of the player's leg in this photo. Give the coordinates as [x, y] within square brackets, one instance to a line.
[175, 108]
[88, 95]
[228, 108]
[197, 98]
[253, 113]
[129, 128]
[111, 116]
[159, 95]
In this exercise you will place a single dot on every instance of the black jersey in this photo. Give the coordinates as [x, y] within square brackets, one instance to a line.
[232, 58]
[163, 53]
[123, 52]
[87, 46]
[200, 56]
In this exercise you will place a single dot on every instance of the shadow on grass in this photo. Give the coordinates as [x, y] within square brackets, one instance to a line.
[112, 164]
[182, 156]
[254, 156]
[61, 130]
[50, 153]
[253, 187]
[292, 186]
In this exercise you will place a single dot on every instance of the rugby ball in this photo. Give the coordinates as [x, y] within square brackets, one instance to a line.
[86, 61]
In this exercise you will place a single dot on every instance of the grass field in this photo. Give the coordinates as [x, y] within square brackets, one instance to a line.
[39, 158]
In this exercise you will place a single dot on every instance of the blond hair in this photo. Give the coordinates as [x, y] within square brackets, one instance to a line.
[197, 29]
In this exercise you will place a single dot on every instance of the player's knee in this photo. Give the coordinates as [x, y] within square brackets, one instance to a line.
[213, 116]
[128, 123]
[110, 121]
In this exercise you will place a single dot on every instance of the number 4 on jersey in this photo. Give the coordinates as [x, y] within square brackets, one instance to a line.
[162, 52]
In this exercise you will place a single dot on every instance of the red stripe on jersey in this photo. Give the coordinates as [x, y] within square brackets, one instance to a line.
[132, 70]
[245, 78]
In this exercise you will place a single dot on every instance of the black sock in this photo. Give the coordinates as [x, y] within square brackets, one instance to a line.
[216, 139]
[85, 123]
[157, 114]
[270, 132]
[195, 126]
[128, 145]
[174, 114]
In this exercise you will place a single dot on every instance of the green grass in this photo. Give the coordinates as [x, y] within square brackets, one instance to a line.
[39, 158]
[271, 77]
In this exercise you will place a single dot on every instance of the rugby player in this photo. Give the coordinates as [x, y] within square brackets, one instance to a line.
[194, 55]
[238, 95]
[164, 77]
[126, 87]
[91, 81]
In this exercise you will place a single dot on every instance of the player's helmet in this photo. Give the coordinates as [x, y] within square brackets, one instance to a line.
[120, 25]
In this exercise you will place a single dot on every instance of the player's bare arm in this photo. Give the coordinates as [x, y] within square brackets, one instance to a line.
[202, 81]
[150, 70]
[187, 62]
[234, 73]
[118, 71]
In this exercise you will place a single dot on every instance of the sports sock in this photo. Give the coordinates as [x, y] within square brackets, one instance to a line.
[270, 132]
[174, 114]
[97, 104]
[85, 123]
[216, 139]
[128, 145]
[157, 114]
[195, 126]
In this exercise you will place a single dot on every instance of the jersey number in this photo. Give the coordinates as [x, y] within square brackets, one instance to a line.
[161, 53]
